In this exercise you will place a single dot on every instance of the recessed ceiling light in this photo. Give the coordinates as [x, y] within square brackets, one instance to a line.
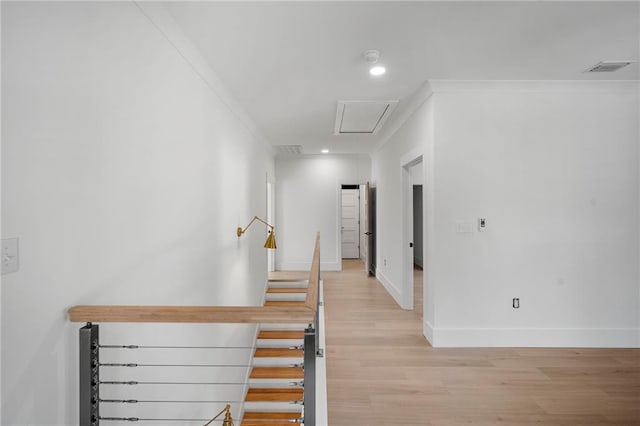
[325, 151]
[377, 70]
[371, 57]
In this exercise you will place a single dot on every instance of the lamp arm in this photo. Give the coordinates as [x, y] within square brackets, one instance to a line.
[242, 231]
[225, 409]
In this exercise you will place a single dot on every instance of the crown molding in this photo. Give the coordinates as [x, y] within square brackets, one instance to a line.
[409, 106]
[171, 31]
[532, 86]
[406, 108]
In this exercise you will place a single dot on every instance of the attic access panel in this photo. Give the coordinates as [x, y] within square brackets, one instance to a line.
[362, 117]
[609, 66]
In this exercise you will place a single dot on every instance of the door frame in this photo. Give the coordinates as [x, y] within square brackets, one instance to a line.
[408, 161]
[340, 181]
[428, 234]
[366, 232]
[358, 218]
[271, 218]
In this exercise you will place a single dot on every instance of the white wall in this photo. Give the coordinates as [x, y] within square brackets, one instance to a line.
[554, 169]
[413, 139]
[1, 234]
[125, 175]
[308, 201]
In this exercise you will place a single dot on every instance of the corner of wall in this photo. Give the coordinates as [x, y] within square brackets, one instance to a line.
[164, 22]
[391, 288]
[404, 111]
[427, 330]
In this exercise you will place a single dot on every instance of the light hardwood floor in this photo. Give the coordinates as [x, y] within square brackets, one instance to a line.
[382, 371]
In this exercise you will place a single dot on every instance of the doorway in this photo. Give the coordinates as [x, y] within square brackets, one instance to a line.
[371, 261]
[350, 221]
[271, 259]
[418, 243]
[367, 228]
[412, 175]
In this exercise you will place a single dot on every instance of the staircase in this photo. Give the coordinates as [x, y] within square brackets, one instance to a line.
[286, 382]
[275, 393]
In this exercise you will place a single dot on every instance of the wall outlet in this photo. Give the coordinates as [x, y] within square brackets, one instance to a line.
[482, 224]
[385, 262]
[516, 303]
[10, 260]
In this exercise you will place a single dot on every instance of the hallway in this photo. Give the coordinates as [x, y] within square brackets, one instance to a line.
[370, 344]
[381, 370]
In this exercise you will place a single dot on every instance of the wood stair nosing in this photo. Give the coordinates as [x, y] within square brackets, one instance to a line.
[285, 303]
[281, 334]
[273, 418]
[277, 373]
[272, 415]
[274, 394]
[286, 290]
[278, 353]
[283, 326]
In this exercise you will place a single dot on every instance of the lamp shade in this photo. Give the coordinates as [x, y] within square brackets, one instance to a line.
[271, 241]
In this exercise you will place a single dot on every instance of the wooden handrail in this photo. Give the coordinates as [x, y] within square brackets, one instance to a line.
[311, 301]
[196, 314]
[208, 314]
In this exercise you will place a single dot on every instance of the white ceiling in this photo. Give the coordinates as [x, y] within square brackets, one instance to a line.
[289, 63]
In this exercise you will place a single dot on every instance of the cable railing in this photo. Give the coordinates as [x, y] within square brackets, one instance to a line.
[158, 381]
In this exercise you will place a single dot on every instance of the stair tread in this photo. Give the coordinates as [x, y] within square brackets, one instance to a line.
[277, 415]
[285, 303]
[277, 373]
[281, 334]
[285, 290]
[274, 394]
[278, 353]
[265, 423]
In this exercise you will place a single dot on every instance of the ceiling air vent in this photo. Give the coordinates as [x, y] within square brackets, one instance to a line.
[289, 149]
[362, 117]
[608, 66]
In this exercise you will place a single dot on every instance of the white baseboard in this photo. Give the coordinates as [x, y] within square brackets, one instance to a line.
[533, 337]
[389, 286]
[306, 266]
[427, 330]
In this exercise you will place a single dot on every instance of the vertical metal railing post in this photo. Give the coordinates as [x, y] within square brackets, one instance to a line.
[310, 376]
[319, 350]
[89, 376]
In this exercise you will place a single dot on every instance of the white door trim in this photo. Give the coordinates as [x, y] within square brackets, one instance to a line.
[407, 161]
[271, 218]
[353, 193]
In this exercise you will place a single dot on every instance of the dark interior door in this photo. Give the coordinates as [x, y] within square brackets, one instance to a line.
[371, 261]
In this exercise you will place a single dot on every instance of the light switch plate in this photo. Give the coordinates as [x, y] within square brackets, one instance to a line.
[10, 259]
